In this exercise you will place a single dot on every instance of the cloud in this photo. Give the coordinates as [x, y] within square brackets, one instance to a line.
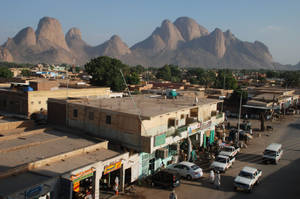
[271, 28]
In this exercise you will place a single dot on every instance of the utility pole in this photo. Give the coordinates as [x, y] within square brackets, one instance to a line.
[223, 90]
[239, 122]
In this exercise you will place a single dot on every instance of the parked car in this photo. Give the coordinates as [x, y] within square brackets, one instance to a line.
[291, 111]
[247, 179]
[273, 153]
[187, 170]
[165, 178]
[222, 163]
[230, 151]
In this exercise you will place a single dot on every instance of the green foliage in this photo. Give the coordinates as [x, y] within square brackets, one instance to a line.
[26, 73]
[291, 79]
[5, 72]
[236, 96]
[138, 69]
[272, 74]
[77, 69]
[230, 81]
[16, 65]
[201, 76]
[169, 73]
[133, 78]
[105, 71]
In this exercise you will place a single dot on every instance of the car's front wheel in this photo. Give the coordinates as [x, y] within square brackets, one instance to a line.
[189, 177]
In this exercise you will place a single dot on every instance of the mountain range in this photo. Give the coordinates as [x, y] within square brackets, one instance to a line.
[183, 42]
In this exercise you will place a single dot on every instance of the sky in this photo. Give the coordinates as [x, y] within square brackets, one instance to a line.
[273, 22]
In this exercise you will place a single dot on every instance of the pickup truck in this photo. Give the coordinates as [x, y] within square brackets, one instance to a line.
[222, 163]
[229, 151]
[247, 179]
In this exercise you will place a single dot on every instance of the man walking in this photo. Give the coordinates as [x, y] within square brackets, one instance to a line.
[217, 182]
[173, 195]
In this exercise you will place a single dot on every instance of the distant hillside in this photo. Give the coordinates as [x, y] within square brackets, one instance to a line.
[184, 43]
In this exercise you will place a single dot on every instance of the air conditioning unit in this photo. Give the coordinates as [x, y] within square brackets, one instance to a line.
[161, 153]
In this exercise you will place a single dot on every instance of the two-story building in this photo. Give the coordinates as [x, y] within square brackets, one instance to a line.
[151, 126]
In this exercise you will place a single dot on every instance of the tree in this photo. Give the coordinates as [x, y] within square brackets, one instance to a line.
[105, 71]
[26, 73]
[236, 96]
[272, 74]
[169, 73]
[164, 73]
[133, 78]
[5, 72]
[138, 69]
[230, 81]
[291, 79]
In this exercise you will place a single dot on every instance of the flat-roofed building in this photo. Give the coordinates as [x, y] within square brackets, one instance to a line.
[24, 102]
[152, 126]
[50, 162]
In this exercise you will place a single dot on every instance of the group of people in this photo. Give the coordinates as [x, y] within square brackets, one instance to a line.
[214, 178]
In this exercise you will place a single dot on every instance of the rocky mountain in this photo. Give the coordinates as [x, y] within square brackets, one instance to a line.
[184, 43]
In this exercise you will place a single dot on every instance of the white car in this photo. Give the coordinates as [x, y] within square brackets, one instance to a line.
[247, 178]
[222, 163]
[187, 170]
[230, 151]
[273, 153]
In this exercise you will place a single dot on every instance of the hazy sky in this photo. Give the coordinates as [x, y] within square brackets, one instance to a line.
[274, 22]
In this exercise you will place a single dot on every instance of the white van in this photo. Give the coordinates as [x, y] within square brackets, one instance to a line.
[273, 153]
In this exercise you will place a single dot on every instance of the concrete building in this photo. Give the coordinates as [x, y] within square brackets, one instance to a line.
[44, 163]
[153, 127]
[21, 101]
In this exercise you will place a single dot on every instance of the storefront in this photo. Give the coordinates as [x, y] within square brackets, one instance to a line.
[111, 176]
[83, 183]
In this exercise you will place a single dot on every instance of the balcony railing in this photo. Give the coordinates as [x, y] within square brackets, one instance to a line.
[219, 115]
[181, 129]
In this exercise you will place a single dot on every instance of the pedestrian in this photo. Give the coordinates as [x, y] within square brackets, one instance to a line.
[116, 187]
[217, 182]
[162, 165]
[212, 176]
[173, 195]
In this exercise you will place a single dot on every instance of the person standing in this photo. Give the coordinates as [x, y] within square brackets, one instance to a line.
[212, 176]
[116, 187]
[218, 180]
[173, 195]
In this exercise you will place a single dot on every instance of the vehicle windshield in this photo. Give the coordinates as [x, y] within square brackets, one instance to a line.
[229, 149]
[270, 153]
[219, 159]
[195, 167]
[245, 175]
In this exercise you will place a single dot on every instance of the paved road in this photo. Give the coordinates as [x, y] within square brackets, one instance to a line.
[279, 181]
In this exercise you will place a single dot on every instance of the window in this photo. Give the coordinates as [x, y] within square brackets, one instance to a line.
[40, 102]
[171, 122]
[75, 113]
[32, 102]
[182, 116]
[91, 115]
[108, 119]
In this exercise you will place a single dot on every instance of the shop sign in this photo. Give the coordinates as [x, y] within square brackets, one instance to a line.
[34, 191]
[205, 125]
[82, 175]
[76, 186]
[194, 128]
[112, 167]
